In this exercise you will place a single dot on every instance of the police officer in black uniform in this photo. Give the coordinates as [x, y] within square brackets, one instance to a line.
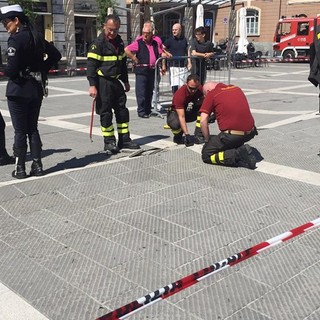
[27, 69]
[106, 65]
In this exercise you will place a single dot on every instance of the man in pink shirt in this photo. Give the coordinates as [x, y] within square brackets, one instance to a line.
[144, 52]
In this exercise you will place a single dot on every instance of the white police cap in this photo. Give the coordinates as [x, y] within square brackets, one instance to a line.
[14, 10]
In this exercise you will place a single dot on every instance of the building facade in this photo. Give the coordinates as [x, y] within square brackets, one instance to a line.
[262, 18]
[72, 24]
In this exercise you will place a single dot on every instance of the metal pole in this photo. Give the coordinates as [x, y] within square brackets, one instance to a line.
[232, 37]
[135, 21]
[70, 37]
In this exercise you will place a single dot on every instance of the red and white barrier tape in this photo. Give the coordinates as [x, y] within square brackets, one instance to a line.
[173, 288]
[261, 60]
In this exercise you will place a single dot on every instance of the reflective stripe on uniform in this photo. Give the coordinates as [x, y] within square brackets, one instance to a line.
[198, 122]
[100, 73]
[107, 132]
[123, 127]
[217, 158]
[221, 156]
[176, 131]
[104, 58]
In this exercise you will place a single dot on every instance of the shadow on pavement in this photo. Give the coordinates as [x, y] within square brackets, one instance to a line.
[79, 162]
[149, 139]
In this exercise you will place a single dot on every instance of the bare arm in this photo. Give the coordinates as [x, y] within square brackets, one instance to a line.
[131, 55]
[205, 126]
[182, 120]
[198, 54]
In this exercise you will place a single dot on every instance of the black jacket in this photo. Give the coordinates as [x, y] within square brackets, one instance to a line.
[314, 75]
[23, 57]
[106, 60]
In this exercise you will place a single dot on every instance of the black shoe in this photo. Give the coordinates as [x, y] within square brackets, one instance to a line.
[144, 116]
[199, 139]
[20, 172]
[112, 147]
[6, 160]
[36, 169]
[245, 156]
[128, 145]
[178, 139]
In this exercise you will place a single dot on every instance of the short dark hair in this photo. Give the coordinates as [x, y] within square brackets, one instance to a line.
[193, 77]
[201, 30]
[113, 17]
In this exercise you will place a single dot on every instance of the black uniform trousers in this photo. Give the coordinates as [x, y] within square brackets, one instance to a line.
[2, 136]
[190, 116]
[111, 97]
[173, 119]
[24, 116]
[221, 148]
[144, 91]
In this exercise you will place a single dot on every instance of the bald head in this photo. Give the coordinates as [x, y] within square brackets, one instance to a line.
[176, 30]
[208, 86]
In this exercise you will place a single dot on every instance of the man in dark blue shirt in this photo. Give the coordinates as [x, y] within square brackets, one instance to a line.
[177, 46]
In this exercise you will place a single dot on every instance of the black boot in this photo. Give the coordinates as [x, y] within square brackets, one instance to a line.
[198, 136]
[245, 157]
[20, 167]
[178, 138]
[4, 157]
[110, 146]
[36, 166]
[125, 142]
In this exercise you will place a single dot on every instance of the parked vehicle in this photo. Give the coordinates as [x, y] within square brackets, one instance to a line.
[293, 36]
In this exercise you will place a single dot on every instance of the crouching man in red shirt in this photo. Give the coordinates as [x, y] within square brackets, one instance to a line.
[231, 109]
[185, 107]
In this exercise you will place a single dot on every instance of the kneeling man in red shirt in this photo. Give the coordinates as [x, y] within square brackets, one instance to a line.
[231, 109]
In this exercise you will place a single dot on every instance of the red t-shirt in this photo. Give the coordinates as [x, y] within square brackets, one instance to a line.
[230, 106]
[182, 97]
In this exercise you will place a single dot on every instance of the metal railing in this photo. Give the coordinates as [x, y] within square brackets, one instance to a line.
[215, 69]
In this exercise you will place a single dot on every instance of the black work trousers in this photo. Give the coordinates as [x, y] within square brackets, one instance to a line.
[144, 91]
[111, 98]
[222, 148]
[173, 119]
[24, 116]
[2, 136]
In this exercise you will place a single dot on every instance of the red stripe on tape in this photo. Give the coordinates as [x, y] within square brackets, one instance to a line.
[177, 286]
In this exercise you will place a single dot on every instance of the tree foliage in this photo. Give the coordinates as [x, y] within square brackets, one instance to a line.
[103, 6]
[27, 6]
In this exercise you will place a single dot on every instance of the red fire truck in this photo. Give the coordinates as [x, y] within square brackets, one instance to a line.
[293, 36]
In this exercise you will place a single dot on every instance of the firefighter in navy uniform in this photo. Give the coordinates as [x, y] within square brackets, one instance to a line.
[106, 65]
[27, 70]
